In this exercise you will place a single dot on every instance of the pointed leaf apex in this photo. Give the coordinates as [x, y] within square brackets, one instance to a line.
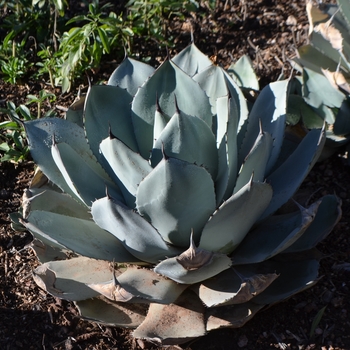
[194, 258]
[112, 290]
[163, 152]
[111, 135]
[176, 105]
[261, 127]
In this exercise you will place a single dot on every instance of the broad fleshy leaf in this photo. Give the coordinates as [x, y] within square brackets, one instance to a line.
[137, 235]
[163, 198]
[175, 323]
[130, 75]
[234, 218]
[187, 138]
[67, 279]
[69, 232]
[102, 310]
[167, 83]
[233, 286]
[274, 235]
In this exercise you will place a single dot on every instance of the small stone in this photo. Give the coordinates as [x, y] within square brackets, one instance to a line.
[243, 341]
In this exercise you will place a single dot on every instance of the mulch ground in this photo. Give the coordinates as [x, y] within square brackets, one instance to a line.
[269, 32]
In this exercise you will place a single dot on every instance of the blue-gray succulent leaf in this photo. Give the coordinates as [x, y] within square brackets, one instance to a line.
[105, 311]
[234, 286]
[40, 134]
[82, 173]
[68, 279]
[274, 235]
[193, 265]
[164, 199]
[287, 178]
[129, 167]
[212, 81]
[137, 235]
[66, 231]
[130, 75]
[294, 277]
[269, 110]
[234, 218]
[187, 138]
[140, 285]
[242, 72]
[176, 330]
[167, 84]
[108, 108]
[191, 60]
[256, 161]
[226, 143]
[328, 215]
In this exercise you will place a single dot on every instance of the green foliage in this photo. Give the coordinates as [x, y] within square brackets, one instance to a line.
[14, 144]
[65, 48]
[148, 16]
[180, 190]
[82, 47]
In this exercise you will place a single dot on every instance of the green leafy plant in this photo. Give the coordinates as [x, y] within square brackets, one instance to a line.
[83, 47]
[14, 144]
[160, 212]
[148, 17]
[322, 92]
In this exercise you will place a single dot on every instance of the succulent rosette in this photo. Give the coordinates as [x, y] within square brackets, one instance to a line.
[156, 202]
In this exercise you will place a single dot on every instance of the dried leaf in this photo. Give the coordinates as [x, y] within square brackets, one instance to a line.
[331, 34]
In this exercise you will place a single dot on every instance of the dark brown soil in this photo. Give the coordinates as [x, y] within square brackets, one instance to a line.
[31, 319]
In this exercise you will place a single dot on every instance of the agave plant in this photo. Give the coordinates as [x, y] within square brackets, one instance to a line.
[323, 93]
[156, 202]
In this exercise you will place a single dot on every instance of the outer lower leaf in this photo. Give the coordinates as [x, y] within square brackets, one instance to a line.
[233, 316]
[174, 323]
[175, 270]
[295, 276]
[130, 75]
[242, 72]
[67, 279]
[46, 252]
[187, 138]
[286, 179]
[102, 310]
[40, 134]
[127, 165]
[232, 221]
[191, 60]
[57, 202]
[273, 236]
[71, 232]
[150, 286]
[234, 286]
[177, 197]
[327, 216]
[136, 234]
[164, 85]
